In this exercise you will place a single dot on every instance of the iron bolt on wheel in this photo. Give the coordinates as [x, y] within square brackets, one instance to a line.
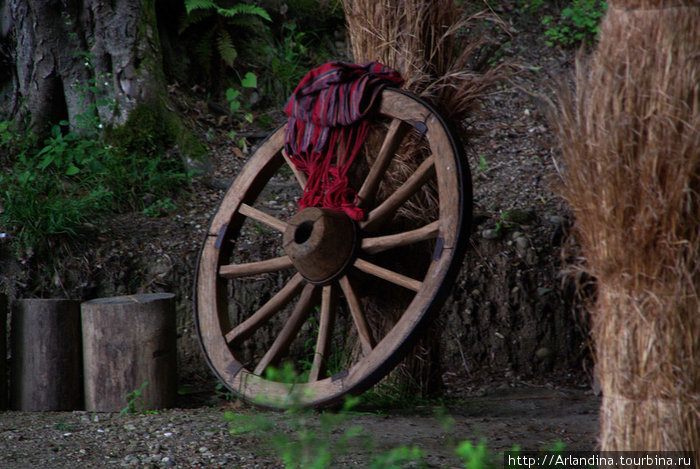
[328, 274]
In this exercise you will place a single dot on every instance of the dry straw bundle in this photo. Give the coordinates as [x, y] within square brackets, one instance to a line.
[421, 40]
[425, 41]
[630, 138]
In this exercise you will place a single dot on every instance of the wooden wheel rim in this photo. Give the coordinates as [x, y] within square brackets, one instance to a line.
[210, 302]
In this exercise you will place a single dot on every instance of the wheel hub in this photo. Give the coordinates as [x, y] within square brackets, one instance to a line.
[321, 243]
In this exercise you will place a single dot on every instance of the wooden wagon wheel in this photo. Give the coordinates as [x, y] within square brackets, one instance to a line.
[322, 265]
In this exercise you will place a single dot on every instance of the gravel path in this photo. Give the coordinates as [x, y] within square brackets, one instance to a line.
[199, 437]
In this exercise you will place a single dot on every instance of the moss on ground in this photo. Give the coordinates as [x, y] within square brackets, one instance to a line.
[152, 130]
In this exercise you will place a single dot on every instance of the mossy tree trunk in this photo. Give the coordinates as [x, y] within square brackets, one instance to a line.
[75, 57]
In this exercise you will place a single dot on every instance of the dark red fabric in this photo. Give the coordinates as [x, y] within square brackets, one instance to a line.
[327, 126]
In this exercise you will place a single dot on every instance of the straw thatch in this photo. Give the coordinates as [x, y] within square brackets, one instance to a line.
[422, 40]
[425, 41]
[630, 138]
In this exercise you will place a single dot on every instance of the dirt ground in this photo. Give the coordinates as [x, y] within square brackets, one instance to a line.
[529, 417]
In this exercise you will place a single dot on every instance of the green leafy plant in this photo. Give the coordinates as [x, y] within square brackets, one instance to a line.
[249, 81]
[475, 456]
[240, 108]
[64, 427]
[308, 439]
[222, 392]
[49, 190]
[214, 24]
[159, 208]
[531, 6]
[304, 438]
[57, 186]
[577, 23]
[400, 457]
[286, 61]
[483, 165]
[134, 400]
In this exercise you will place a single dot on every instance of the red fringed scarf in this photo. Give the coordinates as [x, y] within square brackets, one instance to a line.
[326, 115]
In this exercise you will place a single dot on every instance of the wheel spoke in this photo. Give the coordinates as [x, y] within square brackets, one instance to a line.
[384, 243]
[262, 217]
[358, 317]
[255, 268]
[388, 275]
[392, 140]
[401, 195]
[290, 330]
[266, 311]
[301, 177]
[329, 302]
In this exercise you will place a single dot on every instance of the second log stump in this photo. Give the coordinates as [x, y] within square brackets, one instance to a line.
[128, 346]
[46, 365]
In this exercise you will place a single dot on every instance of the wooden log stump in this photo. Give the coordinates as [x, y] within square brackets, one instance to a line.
[129, 352]
[46, 355]
[3, 352]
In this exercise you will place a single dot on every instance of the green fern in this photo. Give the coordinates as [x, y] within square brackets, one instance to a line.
[239, 9]
[242, 9]
[191, 5]
[218, 38]
[224, 44]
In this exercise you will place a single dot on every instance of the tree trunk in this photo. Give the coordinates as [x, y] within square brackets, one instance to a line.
[46, 355]
[73, 57]
[3, 352]
[129, 351]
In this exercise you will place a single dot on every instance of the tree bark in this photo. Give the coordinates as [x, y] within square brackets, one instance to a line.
[3, 352]
[46, 364]
[73, 57]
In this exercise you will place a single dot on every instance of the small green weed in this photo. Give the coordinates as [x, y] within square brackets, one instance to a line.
[395, 392]
[483, 165]
[64, 427]
[240, 108]
[475, 456]
[134, 400]
[287, 62]
[49, 190]
[502, 223]
[309, 439]
[577, 23]
[233, 96]
[221, 391]
[531, 6]
[400, 457]
[159, 208]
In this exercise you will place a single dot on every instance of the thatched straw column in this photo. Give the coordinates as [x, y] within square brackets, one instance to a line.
[630, 139]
